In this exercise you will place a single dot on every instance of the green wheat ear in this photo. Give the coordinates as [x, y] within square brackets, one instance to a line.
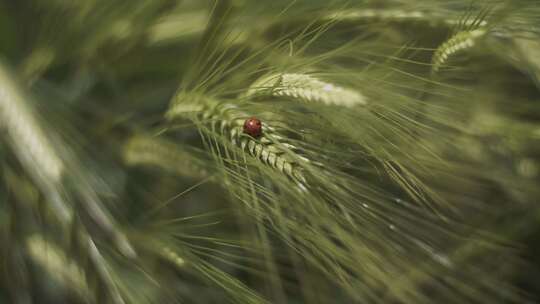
[402, 15]
[227, 120]
[377, 14]
[466, 35]
[39, 151]
[389, 15]
[145, 150]
[306, 88]
[460, 41]
[58, 265]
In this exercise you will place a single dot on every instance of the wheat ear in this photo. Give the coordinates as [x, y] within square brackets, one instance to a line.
[32, 143]
[53, 259]
[396, 15]
[460, 41]
[177, 26]
[270, 148]
[160, 153]
[58, 266]
[173, 257]
[306, 88]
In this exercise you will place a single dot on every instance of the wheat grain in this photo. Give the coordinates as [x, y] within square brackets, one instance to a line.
[306, 88]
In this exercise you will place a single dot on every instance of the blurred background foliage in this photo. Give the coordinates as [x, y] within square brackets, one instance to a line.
[399, 161]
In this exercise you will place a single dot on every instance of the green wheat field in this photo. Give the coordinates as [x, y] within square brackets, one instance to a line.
[269, 151]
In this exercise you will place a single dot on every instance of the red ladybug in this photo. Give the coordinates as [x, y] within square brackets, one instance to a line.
[253, 127]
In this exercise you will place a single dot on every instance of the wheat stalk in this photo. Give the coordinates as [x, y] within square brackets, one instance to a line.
[270, 148]
[306, 88]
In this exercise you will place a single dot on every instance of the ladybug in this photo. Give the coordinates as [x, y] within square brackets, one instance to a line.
[253, 127]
